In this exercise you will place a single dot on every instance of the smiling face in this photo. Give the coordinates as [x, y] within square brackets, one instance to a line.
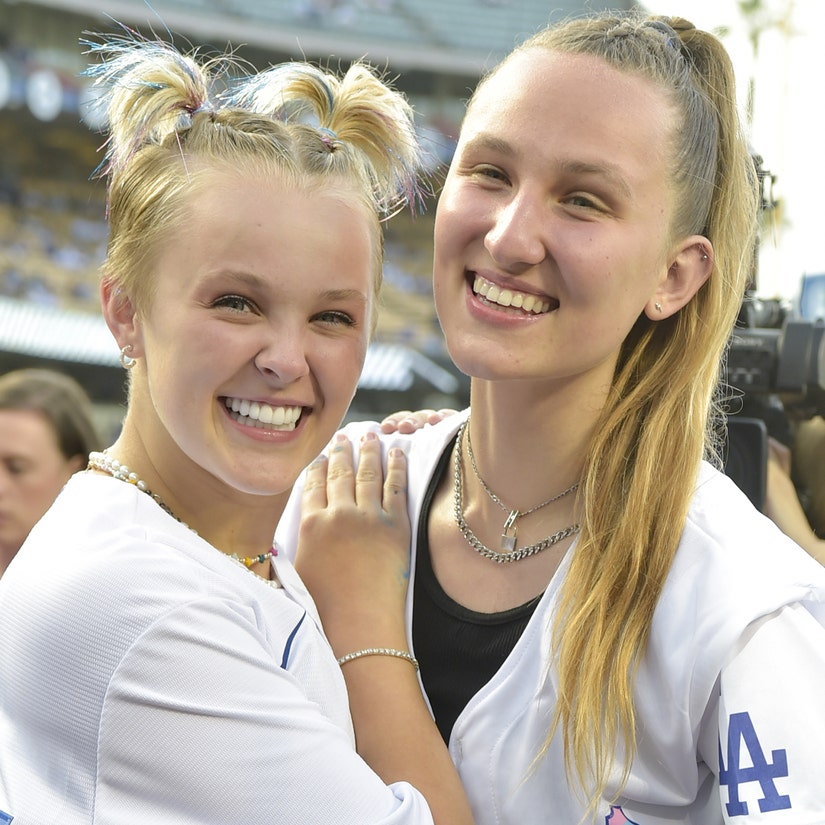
[250, 348]
[551, 232]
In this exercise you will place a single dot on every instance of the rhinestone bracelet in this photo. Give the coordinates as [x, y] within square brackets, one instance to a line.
[380, 651]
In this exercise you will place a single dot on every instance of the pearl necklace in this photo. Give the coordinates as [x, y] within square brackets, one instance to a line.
[111, 466]
[510, 553]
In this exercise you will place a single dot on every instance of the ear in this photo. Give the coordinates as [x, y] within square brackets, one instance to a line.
[121, 317]
[690, 266]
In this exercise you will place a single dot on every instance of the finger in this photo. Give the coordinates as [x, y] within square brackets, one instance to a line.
[314, 494]
[369, 476]
[440, 415]
[416, 421]
[340, 473]
[390, 423]
[395, 483]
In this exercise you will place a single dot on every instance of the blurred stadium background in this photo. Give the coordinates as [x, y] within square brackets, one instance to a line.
[52, 229]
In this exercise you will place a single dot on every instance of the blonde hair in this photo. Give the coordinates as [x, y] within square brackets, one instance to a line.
[173, 117]
[659, 420]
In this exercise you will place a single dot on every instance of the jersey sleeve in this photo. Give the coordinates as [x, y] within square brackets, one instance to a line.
[202, 725]
[772, 723]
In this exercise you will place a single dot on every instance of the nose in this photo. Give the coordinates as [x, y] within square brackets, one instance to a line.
[516, 241]
[282, 356]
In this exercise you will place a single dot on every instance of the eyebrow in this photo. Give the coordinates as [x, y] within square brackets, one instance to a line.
[608, 172]
[486, 141]
[254, 281]
[344, 295]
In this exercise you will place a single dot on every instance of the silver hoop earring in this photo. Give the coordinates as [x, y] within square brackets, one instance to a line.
[125, 360]
[658, 306]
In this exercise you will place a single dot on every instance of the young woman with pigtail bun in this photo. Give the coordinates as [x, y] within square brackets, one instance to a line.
[161, 660]
[607, 630]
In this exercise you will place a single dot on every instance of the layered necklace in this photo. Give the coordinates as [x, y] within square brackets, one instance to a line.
[509, 535]
[111, 466]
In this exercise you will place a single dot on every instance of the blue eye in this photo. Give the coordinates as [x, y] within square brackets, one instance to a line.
[234, 302]
[581, 200]
[493, 173]
[336, 317]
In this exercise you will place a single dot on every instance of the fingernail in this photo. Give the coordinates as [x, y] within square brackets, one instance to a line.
[370, 436]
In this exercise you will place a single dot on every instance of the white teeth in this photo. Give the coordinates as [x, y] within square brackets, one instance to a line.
[509, 298]
[263, 416]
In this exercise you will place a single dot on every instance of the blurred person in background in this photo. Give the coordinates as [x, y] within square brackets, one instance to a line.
[46, 434]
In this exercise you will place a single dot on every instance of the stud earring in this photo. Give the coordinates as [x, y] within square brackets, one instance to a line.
[658, 306]
[126, 361]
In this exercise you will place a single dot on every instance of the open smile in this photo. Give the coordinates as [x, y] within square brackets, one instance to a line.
[262, 416]
[494, 294]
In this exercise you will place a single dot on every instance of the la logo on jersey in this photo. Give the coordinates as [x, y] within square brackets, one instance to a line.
[617, 817]
[748, 765]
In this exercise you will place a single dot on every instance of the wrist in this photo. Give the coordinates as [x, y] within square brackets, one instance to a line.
[379, 651]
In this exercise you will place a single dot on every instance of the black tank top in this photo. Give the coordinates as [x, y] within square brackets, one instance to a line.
[459, 650]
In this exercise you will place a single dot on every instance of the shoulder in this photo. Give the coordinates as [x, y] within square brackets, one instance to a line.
[422, 441]
[729, 536]
[119, 559]
[733, 566]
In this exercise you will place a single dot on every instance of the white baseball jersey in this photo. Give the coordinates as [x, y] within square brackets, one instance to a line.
[145, 677]
[729, 695]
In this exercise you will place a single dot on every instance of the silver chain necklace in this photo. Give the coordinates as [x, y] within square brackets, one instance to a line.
[510, 532]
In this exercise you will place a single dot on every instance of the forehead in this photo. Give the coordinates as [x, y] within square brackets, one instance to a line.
[25, 432]
[271, 203]
[544, 102]
[278, 230]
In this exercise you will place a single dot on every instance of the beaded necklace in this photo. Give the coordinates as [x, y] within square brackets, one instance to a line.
[111, 466]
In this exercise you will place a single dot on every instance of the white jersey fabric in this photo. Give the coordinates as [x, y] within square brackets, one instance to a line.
[729, 696]
[145, 677]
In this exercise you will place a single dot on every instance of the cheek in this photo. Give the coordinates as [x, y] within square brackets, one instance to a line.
[454, 222]
[40, 490]
[337, 366]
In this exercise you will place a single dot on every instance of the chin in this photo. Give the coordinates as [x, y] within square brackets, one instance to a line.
[474, 362]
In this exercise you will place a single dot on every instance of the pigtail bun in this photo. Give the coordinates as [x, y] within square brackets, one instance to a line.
[358, 110]
[152, 89]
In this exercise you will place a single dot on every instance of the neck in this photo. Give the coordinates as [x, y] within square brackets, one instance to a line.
[230, 520]
[529, 444]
